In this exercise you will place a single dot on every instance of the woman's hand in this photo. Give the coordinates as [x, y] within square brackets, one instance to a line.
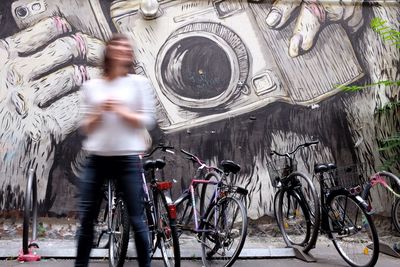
[133, 118]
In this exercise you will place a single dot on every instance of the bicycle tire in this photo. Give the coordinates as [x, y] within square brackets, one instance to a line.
[29, 207]
[276, 207]
[309, 196]
[396, 214]
[209, 234]
[293, 219]
[347, 218]
[150, 222]
[207, 196]
[119, 236]
[167, 234]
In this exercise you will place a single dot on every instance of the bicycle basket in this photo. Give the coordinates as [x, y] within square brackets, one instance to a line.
[279, 168]
[346, 176]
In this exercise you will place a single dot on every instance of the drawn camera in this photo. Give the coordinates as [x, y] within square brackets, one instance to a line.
[205, 60]
[210, 60]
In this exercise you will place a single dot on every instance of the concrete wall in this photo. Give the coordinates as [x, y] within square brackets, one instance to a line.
[233, 80]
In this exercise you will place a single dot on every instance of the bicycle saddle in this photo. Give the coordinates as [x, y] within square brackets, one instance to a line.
[230, 166]
[320, 167]
[324, 167]
[153, 164]
[331, 166]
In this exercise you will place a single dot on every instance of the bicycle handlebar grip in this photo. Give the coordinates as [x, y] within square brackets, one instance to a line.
[313, 142]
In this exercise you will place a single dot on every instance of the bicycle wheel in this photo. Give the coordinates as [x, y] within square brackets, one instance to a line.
[208, 190]
[304, 190]
[293, 219]
[352, 230]
[151, 223]
[224, 232]
[396, 214]
[167, 235]
[276, 207]
[119, 235]
[30, 212]
[386, 193]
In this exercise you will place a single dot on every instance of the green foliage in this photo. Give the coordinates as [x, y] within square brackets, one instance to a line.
[387, 33]
[391, 144]
[352, 88]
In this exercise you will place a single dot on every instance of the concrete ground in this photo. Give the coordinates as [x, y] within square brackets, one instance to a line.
[256, 253]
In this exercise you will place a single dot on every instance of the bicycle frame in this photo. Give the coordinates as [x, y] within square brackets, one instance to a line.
[326, 217]
[190, 195]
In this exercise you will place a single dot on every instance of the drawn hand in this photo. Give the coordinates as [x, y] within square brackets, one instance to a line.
[42, 69]
[313, 17]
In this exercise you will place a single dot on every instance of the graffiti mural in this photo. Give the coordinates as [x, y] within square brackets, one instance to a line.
[233, 80]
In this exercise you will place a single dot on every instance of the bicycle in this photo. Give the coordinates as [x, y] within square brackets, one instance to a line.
[116, 217]
[392, 183]
[160, 217]
[296, 204]
[30, 220]
[221, 227]
[160, 213]
[345, 216]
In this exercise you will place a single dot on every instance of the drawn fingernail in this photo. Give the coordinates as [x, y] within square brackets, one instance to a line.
[61, 25]
[295, 44]
[273, 18]
[81, 44]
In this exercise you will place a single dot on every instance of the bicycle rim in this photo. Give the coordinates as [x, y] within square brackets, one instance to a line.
[396, 215]
[293, 219]
[309, 196]
[224, 233]
[353, 232]
[119, 236]
[167, 235]
[27, 215]
[386, 196]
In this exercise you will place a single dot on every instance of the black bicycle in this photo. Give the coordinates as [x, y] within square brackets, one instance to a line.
[296, 204]
[346, 216]
[160, 213]
[160, 217]
[113, 221]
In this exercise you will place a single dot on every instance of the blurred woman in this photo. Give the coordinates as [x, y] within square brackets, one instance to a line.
[116, 109]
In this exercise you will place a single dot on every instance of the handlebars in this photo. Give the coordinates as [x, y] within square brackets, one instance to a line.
[161, 147]
[306, 144]
[192, 157]
[195, 159]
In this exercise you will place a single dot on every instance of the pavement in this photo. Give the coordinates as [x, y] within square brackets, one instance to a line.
[257, 252]
[264, 247]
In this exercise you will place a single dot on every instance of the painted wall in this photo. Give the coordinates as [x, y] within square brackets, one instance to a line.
[233, 80]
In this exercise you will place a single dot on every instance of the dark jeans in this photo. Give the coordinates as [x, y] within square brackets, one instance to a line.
[127, 173]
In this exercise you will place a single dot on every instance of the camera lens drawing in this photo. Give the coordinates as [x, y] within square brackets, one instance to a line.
[202, 65]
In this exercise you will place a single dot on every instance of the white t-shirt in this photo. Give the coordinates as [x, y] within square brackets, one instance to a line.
[114, 136]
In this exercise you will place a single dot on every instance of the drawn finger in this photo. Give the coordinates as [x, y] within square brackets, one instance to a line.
[281, 12]
[62, 51]
[40, 34]
[63, 116]
[307, 27]
[61, 82]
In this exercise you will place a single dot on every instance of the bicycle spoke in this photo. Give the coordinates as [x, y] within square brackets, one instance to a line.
[352, 231]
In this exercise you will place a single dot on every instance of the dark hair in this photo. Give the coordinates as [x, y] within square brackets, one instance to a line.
[115, 38]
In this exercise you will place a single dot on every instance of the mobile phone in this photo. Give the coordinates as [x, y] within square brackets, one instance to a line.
[86, 16]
